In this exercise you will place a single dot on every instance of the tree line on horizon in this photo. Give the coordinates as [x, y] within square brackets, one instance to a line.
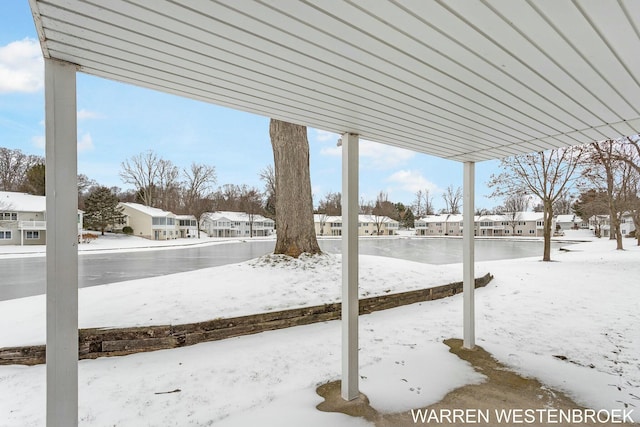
[589, 180]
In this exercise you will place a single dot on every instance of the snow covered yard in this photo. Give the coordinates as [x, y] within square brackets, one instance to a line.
[585, 307]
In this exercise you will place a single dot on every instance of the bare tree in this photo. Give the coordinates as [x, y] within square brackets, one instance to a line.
[452, 199]
[514, 205]
[14, 165]
[562, 206]
[294, 202]
[268, 176]
[142, 171]
[168, 185]
[423, 204]
[85, 185]
[366, 208]
[632, 201]
[227, 198]
[251, 204]
[329, 205]
[198, 179]
[603, 166]
[382, 211]
[545, 174]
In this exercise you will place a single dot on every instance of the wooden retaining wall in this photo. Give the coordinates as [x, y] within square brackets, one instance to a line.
[100, 342]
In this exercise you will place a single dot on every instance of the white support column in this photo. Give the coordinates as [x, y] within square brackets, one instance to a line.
[350, 307]
[62, 244]
[468, 256]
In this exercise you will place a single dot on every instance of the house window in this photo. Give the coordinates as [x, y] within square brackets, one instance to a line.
[506, 231]
[9, 216]
[5, 235]
[532, 231]
[171, 221]
[33, 235]
[158, 221]
[519, 231]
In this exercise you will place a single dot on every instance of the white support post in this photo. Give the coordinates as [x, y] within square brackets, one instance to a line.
[468, 256]
[62, 244]
[350, 307]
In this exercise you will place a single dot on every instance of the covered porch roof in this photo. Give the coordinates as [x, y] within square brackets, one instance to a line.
[463, 80]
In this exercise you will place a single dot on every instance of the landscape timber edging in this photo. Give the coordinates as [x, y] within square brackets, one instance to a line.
[100, 342]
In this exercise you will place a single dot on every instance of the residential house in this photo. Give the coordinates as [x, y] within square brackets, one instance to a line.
[530, 224]
[150, 223]
[368, 225]
[519, 224]
[236, 224]
[603, 223]
[439, 225]
[23, 219]
[492, 225]
[568, 222]
[187, 226]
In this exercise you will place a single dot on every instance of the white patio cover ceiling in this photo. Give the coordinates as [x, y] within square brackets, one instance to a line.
[464, 80]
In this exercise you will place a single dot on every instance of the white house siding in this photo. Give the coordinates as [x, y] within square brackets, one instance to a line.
[187, 226]
[23, 220]
[527, 224]
[367, 225]
[150, 223]
[236, 224]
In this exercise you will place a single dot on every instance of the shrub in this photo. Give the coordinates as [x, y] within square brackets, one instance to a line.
[127, 230]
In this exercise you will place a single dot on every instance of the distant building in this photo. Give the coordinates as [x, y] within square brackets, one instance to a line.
[150, 223]
[23, 219]
[518, 224]
[569, 222]
[439, 225]
[368, 225]
[187, 226]
[236, 224]
[603, 223]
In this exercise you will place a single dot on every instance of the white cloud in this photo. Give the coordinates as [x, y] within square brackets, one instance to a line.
[85, 143]
[374, 155]
[412, 181]
[21, 67]
[85, 114]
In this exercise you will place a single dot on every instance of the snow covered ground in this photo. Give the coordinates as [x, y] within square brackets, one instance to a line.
[585, 307]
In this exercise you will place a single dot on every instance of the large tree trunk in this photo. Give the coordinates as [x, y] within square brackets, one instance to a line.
[294, 204]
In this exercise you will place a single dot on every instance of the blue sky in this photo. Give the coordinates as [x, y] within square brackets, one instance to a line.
[117, 121]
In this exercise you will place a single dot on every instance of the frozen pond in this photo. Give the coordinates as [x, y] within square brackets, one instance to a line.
[26, 276]
[443, 250]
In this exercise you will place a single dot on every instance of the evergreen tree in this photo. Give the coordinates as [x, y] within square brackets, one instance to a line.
[101, 209]
[35, 180]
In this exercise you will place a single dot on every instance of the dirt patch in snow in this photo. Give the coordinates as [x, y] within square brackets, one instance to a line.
[502, 390]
